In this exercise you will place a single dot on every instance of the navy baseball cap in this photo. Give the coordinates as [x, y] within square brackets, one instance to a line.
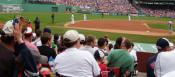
[47, 30]
[162, 43]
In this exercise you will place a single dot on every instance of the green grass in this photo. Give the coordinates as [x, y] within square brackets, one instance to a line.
[161, 26]
[61, 19]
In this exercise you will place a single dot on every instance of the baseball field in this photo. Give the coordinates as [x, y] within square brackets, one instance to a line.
[140, 29]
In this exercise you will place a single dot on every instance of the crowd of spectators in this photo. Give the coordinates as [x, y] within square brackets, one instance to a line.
[120, 6]
[117, 6]
[159, 12]
[25, 52]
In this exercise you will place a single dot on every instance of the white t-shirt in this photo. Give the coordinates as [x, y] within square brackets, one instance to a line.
[133, 53]
[165, 63]
[37, 42]
[88, 48]
[76, 63]
[170, 74]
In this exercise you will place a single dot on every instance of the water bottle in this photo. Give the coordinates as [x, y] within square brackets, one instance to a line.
[51, 63]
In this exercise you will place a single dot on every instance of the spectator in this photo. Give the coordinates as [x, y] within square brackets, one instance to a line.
[110, 47]
[89, 44]
[7, 62]
[46, 49]
[34, 50]
[99, 57]
[37, 41]
[133, 52]
[121, 57]
[23, 56]
[102, 45]
[47, 30]
[118, 43]
[74, 62]
[82, 40]
[161, 66]
[37, 24]
[162, 46]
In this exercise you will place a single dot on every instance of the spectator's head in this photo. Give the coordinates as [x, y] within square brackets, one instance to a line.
[99, 56]
[28, 35]
[7, 36]
[47, 30]
[90, 41]
[38, 33]
[163, 44]
[46, 39]
[71, 39]
[122, 43]
[118, 43]
[82, 39]
[110, 46]
[102, 43]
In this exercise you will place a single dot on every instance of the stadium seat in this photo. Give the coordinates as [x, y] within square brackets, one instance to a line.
[45, 70]
[114, 71]
[104, 73]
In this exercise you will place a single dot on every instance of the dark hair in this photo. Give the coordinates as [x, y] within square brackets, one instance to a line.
[101, 42]
[7, 39]
[45, 38]
[89, 40]
[67, 43]
[97, 55]
[127, 44]
[48, 30]
[82, 42]
[122, 41]
[110, 46]
[56, 37]
[118, 43]
[162, 44]
[38, 33]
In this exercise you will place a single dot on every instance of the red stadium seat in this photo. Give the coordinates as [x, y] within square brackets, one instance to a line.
[105, 73]
[115, 70]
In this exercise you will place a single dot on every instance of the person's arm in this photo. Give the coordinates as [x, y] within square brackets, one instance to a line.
[27, 58]
[109, 58]
[95, 67]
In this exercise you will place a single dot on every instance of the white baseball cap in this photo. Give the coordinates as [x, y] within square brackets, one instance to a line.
[8, 27]
[28, 30]
[82, 37]
[72, 35]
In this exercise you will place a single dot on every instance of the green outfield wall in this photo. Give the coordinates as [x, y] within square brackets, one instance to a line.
[11, 1]
[29, 7]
